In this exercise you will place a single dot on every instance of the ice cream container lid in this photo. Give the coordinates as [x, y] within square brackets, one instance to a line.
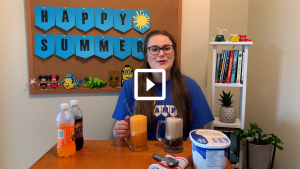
[210, 139]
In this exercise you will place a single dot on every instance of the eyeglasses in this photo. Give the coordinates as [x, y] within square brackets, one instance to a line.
[154, 50]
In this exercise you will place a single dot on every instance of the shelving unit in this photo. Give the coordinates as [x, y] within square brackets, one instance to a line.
[240, 122]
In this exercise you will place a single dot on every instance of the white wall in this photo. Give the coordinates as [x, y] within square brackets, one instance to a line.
[28, 121]
[273, 74]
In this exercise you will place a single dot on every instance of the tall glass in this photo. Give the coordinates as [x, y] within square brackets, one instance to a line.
[173, 142]
[138, 133]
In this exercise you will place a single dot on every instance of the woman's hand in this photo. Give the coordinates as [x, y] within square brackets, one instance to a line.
[121, 128]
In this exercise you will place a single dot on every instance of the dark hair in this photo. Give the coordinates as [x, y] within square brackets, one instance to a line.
[43, 77]
[180, 95]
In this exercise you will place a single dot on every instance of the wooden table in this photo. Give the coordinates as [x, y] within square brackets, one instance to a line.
[111, 154]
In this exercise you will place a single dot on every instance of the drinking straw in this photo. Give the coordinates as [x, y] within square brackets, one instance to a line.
[166, 108]
[128, 107]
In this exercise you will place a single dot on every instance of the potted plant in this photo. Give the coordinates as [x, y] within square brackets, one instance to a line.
[259, 147]
[227, 112]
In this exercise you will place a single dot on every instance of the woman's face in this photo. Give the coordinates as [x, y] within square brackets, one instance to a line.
[161, 60]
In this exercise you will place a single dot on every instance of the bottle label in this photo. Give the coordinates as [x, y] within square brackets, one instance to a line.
[65, 136]
[78, 129]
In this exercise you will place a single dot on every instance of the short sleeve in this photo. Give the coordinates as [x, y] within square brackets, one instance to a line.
[121, 110]
[200, 108]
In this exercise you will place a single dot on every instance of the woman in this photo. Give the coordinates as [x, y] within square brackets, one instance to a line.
[184, 96]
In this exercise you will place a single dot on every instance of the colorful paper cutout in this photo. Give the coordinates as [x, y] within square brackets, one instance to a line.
[32, 82]
[94, 82]
[65, 17]
[64, 45]
[138, 48]
[85, 18]
[122, 47]
[234, 38]
[85, 46]
[44, 45]
[43, 82]
[104, 18]
[113, 78]
[122, 19]
[44, 17]
[243, 38]
[220, 37]
[71, 82]
[141, 20]
[127, 73]
[54, 81]
[104, 46]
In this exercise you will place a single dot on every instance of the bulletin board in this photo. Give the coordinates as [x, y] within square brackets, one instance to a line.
[165, 15]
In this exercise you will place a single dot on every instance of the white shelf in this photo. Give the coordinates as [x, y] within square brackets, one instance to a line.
[237, 123]
[230, 43]
[229, 84]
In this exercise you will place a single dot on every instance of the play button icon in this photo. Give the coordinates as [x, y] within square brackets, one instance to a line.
[149, 84]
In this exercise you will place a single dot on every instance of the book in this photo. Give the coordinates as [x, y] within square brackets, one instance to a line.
[243, 62]
[220, 66]
[217, 67]
[238, 77]
[230, 66]
[222, 70]
[234, 65]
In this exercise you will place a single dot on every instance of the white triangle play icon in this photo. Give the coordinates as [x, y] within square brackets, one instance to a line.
[149, 84]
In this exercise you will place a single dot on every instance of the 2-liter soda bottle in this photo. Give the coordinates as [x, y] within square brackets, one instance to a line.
[65, 132]
[75, 110]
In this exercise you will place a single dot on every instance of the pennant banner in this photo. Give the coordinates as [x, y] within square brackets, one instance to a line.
[85, 46]
[85, 18]
[141, 20]
[44, 17]
[104, 18]
[44, 45]
[104, 46]
[65, 17]
[138, 47]
[122, 47]
[64, 45]
[122, 19]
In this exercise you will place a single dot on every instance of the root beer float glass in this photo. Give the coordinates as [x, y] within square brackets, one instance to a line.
[138, 133]
[173, 142]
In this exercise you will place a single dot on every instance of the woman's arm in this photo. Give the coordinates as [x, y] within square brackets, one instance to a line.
[188, 139]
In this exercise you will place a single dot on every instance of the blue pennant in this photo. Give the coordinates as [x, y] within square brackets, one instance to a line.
[65, 18]
[104, 46]
[122, 47]
[141, 20]
[85, 46]
[44, 17]
[104, 18]
[44, 45]
[85, 18]
[64, 45]
[122, 19]
[138, 48]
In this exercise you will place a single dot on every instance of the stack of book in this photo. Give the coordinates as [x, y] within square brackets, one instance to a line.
[229, 67]
[233, 150]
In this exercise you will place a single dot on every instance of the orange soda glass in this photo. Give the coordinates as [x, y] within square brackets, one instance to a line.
[138, 133]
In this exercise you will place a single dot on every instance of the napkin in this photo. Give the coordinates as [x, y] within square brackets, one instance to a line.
[183, 163]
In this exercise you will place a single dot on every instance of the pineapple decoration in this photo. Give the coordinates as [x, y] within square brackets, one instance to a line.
[227, 113]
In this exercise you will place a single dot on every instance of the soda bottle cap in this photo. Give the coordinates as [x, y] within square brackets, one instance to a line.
[64, 106]
[73, 102]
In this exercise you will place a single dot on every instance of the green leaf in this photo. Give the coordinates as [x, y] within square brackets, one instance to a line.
[263, 136]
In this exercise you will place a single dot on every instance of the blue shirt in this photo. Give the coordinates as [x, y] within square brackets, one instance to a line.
[200, 109]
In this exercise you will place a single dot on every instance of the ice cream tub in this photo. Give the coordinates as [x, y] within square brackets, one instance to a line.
[209, 149]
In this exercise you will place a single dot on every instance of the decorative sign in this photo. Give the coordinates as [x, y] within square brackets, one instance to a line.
[65, 17]
[85, 46]
[138, 48]
[44, 17]
[141, 20]
[44, 45]
[85, 18]
[104, 18]
[64, 45]
[104, 46]
[122, 19]
[122, 47]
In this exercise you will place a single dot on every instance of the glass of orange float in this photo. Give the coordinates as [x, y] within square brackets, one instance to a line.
[138, 133]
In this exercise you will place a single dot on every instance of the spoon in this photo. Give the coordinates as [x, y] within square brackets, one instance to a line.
[171, 162]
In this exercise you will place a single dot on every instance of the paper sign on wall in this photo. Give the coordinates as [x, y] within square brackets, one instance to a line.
[65, 17]
[138, 47]
[104, 46]
[122, 47]
[141, 20]
[85, 18]
[85, 46]
[64, 45]
[122, 19]
[44, 17]
[44, 45]
[104, 18]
